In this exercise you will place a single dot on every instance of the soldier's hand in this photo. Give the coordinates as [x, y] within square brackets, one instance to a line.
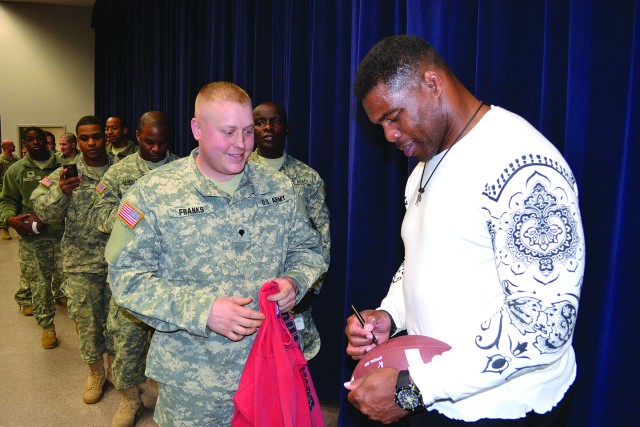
[286, 297]
[230, 319]
[21, 225]
[67, 185]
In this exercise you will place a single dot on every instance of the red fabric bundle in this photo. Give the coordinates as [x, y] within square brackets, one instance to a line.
[275, 388]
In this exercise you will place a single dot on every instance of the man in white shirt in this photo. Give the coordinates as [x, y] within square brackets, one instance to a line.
[494, 254]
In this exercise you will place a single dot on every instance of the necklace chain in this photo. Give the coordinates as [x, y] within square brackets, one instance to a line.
[421, 188]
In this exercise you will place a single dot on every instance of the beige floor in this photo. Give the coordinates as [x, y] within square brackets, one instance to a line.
[41, 387]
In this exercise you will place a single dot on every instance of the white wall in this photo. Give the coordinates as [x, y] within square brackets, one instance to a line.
[46, 66]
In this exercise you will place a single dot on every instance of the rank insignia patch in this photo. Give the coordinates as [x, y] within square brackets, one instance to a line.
[130, 215]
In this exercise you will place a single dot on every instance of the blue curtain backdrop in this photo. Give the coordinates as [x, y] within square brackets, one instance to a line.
[569, 67]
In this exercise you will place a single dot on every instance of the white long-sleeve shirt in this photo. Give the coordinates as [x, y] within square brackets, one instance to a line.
[494, 263]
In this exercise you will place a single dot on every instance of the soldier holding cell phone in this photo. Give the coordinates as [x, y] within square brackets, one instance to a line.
[69, 195]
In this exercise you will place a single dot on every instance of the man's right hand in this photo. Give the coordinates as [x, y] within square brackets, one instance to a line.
[376, 322]
[20, 224]
[230, 319]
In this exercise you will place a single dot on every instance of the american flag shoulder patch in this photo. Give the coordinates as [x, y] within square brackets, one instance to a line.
[46, 181]
[101, 187]
[130, 215]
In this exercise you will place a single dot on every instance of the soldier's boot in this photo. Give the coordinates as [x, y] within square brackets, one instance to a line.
[131, 406]
[110, 359]
[5, 234]
[26, 310]
[49, 339]
[93, 389]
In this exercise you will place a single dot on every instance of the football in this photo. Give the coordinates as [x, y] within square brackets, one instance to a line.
[397, 352]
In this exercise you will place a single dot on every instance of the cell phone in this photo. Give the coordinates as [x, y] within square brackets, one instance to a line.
[70, 170]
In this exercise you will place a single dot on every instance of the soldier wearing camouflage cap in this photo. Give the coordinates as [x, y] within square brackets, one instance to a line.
[271, 127]
[129, 334]
[193, 243]
[70, 198]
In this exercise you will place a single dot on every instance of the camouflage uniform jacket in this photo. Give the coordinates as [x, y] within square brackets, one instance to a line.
[20, 181]
[128, 150]
[82, 244]
[311, 188]
[114, 183]
[195, 243]
[66, 160]
[5, 162]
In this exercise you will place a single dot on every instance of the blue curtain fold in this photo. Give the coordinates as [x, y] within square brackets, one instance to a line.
[570, 67]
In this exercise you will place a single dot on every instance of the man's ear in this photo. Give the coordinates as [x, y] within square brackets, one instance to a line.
[195, 129]
[432, 82]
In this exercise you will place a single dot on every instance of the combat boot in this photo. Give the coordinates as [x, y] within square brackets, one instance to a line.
[26, 310]
[93, 389]
[49, 339]
[130, 407]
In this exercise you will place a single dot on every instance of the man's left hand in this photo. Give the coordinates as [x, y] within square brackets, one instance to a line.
[286, 297]
[375, 395]
[67, 185]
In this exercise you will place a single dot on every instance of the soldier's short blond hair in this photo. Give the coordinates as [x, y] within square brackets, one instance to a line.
[221, 92]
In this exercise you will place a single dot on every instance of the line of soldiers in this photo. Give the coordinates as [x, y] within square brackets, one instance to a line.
[80, 209]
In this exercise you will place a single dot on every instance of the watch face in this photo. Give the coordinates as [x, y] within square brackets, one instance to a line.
[408, 398]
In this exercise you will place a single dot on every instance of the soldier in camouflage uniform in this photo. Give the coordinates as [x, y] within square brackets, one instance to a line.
[193, 243]
[39, 248]
[6, 159]
[51, 141]
[68, 148]
[117, 143]
[69, 198]
[271, 129]
[128, 332]
[67, 154]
